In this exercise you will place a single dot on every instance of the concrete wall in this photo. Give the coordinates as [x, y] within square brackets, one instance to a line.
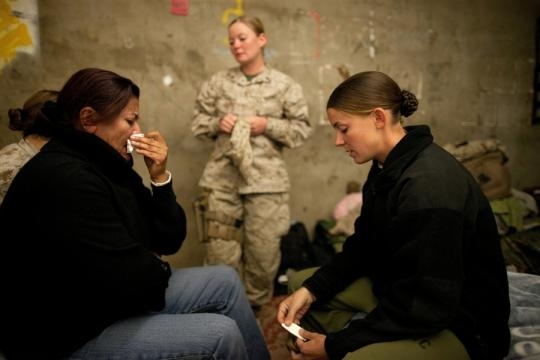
[470, 62]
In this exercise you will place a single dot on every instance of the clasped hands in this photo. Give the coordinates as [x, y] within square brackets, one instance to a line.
[257, 124]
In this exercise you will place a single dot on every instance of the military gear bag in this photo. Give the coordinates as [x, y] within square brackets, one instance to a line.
[486, 161]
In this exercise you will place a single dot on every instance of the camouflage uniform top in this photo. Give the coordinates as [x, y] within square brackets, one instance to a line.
[12, 158]
[271, 94]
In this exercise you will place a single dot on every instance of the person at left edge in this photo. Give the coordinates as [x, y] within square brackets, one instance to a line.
[35, 129]
[80, 267]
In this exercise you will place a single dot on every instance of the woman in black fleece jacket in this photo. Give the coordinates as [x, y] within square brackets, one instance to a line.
[81, 271]
[423, 275]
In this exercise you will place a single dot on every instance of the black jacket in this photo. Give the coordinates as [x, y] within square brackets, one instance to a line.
[78, 251]
[428, 240]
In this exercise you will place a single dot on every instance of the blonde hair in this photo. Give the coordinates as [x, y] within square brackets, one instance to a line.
[253, 22]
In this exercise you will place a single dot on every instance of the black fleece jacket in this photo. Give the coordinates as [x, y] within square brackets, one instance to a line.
[428, 240]
[78, 251]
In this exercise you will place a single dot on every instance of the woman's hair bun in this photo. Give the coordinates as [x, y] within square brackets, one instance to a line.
[409, 103]
[16, 121]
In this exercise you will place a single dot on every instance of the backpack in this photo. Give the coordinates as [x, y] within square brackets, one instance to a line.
[295, 248]
[295, 255]
[486, 161]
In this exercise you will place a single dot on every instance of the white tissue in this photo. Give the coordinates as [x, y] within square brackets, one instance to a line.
[130, 145]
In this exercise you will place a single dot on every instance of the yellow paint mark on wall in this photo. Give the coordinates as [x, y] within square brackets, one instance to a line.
[13, 34]
[236, 11]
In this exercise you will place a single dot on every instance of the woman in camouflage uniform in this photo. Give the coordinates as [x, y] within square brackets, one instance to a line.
[251, 112]
[35, 130]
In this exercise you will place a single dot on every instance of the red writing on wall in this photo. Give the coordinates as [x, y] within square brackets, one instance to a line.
[179, 7]
[317, 18]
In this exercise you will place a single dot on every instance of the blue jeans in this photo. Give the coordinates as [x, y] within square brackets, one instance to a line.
[206, 316]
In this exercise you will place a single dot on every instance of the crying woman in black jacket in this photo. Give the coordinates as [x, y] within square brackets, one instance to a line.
[81, 271]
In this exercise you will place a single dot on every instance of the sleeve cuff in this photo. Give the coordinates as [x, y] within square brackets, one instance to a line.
[169, 178]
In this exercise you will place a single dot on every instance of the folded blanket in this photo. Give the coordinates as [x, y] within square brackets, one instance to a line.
[524, 316]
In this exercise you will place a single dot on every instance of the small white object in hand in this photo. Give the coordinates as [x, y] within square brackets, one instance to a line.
[294, 329]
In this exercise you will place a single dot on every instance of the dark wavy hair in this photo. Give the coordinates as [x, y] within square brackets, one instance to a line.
[104, 91]
[367, 90]
[30, 119]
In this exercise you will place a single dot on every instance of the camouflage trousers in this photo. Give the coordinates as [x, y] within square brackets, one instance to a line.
[255, 255]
